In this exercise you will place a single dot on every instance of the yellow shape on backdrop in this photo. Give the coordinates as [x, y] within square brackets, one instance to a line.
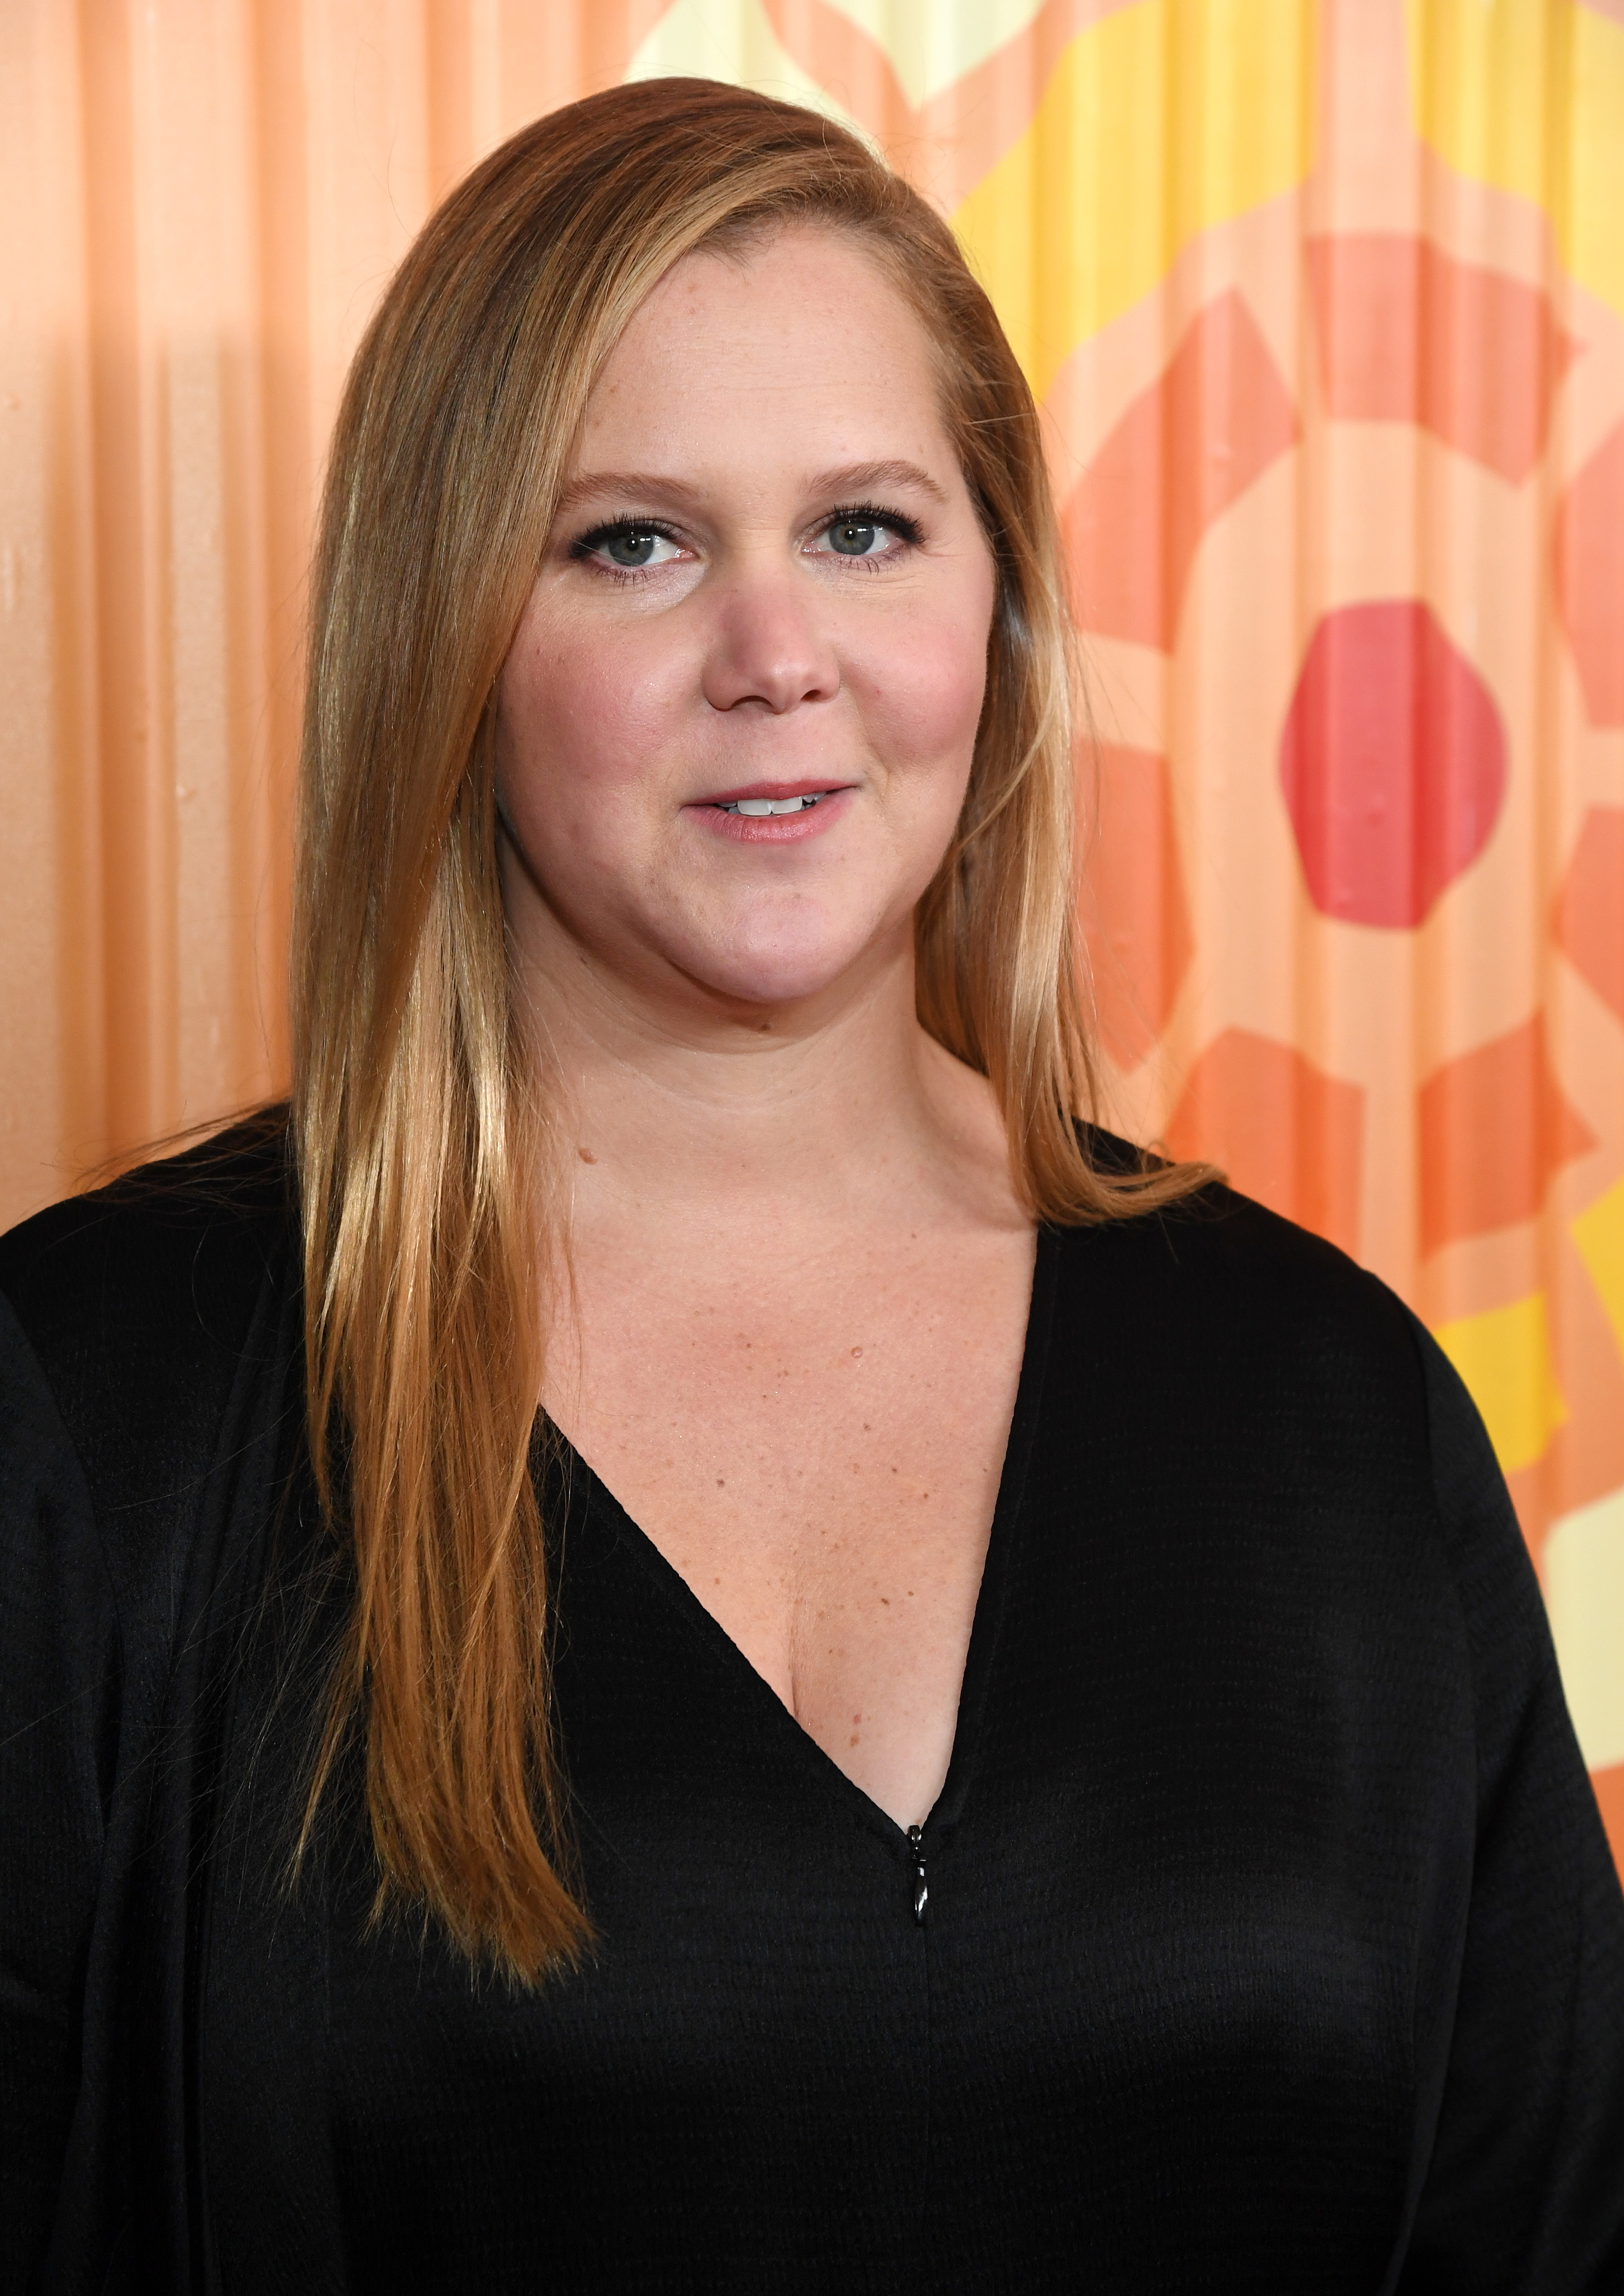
[1528, 95]
[931, 46]
[1599, 1234]
[731, 40]
[1504, 1357]
[1157, 123]
[1584, 1592]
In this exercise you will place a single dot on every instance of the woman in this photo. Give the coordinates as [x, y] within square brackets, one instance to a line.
[995, 1730]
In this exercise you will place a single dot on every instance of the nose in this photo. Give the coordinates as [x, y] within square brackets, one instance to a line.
[769, 646]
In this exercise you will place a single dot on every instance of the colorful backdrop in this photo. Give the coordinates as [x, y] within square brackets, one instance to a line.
[1325, 306]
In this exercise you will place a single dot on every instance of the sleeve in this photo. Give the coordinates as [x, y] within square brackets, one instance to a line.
[1525, 2187]
[59, 1682]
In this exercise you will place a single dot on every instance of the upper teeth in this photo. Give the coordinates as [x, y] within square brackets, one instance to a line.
[759, 805]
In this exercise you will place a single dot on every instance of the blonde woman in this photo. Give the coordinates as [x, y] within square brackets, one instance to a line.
[678, 1634]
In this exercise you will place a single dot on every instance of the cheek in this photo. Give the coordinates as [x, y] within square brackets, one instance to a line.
[584, 718]
[927, 686]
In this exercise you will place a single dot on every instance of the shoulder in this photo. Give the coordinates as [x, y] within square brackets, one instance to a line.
[1254, 1372]
[1265, 1428]
[1241, 1344]
[196, 1220]
[1223, 1259]
[139, 1300]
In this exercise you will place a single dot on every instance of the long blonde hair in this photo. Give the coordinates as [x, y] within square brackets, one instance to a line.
[421, 1133]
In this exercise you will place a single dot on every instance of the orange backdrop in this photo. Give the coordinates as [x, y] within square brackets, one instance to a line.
[1324, 300]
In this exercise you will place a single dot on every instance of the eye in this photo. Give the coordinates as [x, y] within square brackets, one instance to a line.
[865, 533]
[627, 547]
[857, 537]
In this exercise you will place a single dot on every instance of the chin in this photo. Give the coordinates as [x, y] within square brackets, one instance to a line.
[772, 984]
[791, 969]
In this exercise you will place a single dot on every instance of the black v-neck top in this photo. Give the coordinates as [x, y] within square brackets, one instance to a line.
[1272, 1942]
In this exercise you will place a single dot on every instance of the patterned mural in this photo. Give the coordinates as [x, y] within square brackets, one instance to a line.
[1323, 302]
[1325, 307]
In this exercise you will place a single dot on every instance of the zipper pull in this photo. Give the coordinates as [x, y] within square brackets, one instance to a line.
[921, 1894]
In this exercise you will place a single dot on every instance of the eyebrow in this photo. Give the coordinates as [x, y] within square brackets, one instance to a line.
[868, 478]
[851, 478]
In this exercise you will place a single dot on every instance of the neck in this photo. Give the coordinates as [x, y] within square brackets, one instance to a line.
[694, 1106]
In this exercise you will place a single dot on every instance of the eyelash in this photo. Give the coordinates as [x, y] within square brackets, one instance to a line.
[897, 522]
[905, 529]
[586, 543]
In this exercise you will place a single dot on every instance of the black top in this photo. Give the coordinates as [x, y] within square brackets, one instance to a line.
[1272, 1941]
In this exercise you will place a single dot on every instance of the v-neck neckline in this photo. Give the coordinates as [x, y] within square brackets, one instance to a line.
[986, 1624]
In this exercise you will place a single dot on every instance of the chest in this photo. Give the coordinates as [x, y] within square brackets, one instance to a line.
[1160, 2013]
[1181, 1994]
[813, 1438]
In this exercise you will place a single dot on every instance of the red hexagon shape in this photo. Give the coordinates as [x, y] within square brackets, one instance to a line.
[1392, 763]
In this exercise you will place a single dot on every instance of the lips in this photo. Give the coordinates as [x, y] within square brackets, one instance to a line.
[772, 813]
[761, 801]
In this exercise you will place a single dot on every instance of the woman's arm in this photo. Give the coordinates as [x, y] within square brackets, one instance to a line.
[59, 1699]
[1525, 2187]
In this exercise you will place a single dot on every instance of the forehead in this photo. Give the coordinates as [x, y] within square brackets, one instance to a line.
[802, 334]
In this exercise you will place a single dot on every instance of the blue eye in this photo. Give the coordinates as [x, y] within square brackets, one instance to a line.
[630, 549]
[865, 530]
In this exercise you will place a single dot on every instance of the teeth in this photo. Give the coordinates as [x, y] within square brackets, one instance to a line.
[756, 806]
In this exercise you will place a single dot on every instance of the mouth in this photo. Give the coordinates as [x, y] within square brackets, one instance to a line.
[765, 801]
[773, 812]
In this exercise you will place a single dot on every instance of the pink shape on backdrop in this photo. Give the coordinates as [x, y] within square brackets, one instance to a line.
[1283, 1130]
[1494, 1130]
[949, 142]
[1406, 334]
[1185, 449]
[1392, 763]
[1136, 922]
[1588, 923]
[1588, 549]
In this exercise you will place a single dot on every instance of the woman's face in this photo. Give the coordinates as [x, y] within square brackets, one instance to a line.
[737, 723]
